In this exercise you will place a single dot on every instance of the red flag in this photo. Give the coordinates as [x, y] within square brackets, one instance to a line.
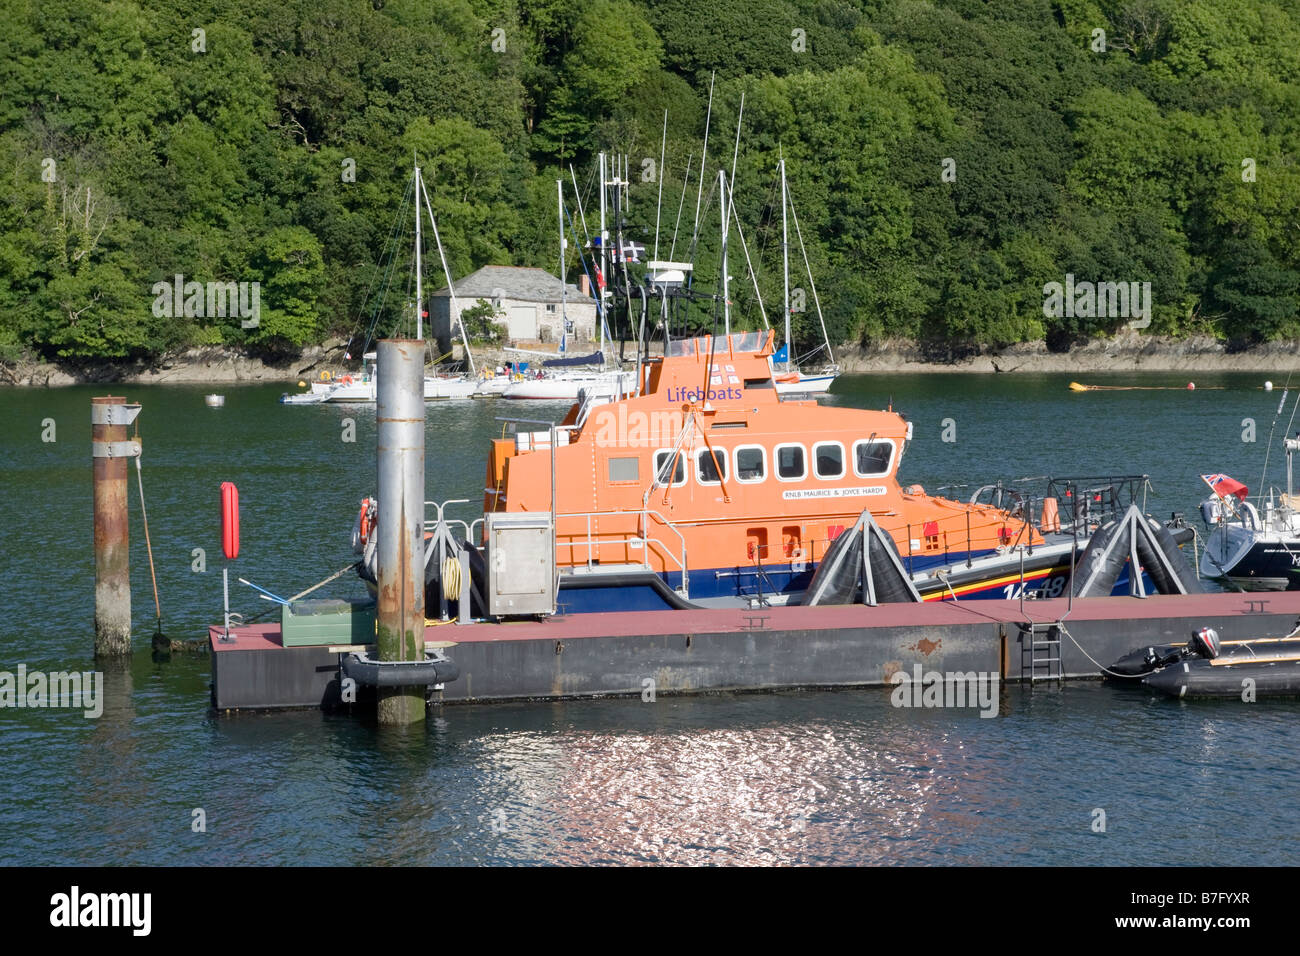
[1223, 486]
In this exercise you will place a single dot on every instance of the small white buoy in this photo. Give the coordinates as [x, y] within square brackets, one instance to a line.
[1268, 386]
[214, 401]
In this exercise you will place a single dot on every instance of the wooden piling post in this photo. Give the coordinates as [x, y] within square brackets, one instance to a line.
[399, 417]
[111, 454]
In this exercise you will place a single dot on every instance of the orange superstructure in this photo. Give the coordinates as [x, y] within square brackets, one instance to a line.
[707, 470]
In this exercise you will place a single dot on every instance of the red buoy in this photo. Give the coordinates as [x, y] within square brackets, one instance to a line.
[230, 519]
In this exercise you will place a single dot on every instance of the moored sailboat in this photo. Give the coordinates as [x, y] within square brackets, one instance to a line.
[362, 386]
[793, 380]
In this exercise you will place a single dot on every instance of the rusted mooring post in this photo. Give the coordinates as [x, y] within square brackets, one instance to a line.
[400, 551]
[111, 453]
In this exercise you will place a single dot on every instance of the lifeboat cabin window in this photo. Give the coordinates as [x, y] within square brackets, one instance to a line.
[707, 471]
[751, 464]
[624, 469]
[662, 459]
[829, 459]
[789, 463]
[872, 458]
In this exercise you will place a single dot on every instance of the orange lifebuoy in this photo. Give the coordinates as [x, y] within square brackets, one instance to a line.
[347, 379]
[364, 519]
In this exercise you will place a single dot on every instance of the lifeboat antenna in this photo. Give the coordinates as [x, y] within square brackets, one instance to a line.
[663, 145]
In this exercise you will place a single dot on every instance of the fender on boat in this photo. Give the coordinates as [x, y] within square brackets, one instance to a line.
[1100, 565]
[1168, 567]
[838, 576]
[861, 560]
[1112, 545]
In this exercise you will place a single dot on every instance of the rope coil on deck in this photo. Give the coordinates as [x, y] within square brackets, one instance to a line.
[451, 579]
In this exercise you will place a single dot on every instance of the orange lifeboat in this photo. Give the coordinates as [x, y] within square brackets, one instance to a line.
[711, 483]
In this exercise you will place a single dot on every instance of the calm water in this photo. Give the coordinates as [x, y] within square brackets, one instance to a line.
[793, 777]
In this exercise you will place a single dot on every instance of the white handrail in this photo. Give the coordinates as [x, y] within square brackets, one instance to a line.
[644, 538]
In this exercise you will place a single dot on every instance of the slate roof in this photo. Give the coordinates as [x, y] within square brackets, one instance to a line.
[516, 282]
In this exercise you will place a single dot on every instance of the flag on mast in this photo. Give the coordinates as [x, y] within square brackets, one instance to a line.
[1223, 486]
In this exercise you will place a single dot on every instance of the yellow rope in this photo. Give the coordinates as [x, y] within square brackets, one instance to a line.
[451, 579]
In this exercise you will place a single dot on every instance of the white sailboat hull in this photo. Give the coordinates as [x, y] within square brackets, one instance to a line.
[803, 383]
[492, 386]
[330, 392]
[436, 389]
[362, 392]
[565, 388]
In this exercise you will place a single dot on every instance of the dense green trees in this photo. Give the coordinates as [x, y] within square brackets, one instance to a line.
[947, 160]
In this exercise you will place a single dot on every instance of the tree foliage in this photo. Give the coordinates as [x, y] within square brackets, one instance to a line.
[946, 160]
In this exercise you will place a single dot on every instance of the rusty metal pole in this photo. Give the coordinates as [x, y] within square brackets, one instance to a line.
[399, 418]
[111, 454]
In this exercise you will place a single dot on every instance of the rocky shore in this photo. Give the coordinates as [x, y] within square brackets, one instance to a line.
[1128, 351]
[215, 365]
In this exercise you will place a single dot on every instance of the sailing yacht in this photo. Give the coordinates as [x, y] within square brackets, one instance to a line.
[363, 387]
[790, 379]
[1245, 548]
[572, 378]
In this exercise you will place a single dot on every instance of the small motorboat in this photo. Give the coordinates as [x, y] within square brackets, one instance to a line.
[1149, 659]
[1208, 667]
[214, 400]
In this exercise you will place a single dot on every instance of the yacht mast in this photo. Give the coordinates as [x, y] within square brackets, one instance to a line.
[419, 285]
[564, 285]
[699, 194]
[785, 266]
[812, 283]
[726, 297]
[603, 275]
[446, 271]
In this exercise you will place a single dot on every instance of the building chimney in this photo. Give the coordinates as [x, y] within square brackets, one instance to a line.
[585, 285]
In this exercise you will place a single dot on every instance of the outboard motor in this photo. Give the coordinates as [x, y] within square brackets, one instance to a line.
[1206, 642]
[1210, 511]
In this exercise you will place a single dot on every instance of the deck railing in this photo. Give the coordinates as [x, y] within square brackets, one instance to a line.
[595, 539]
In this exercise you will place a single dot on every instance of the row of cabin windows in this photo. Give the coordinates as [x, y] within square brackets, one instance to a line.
[871, 458]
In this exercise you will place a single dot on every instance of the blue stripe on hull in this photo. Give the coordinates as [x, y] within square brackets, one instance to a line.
[705, 583]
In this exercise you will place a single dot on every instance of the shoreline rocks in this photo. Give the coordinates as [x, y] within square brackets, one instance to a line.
[1127, 351]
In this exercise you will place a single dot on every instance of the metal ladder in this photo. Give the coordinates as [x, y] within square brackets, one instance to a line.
[1040, 648]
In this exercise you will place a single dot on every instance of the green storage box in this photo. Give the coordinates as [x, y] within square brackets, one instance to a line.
[327, 621]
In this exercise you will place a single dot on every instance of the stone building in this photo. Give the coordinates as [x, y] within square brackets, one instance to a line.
[528, 305]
